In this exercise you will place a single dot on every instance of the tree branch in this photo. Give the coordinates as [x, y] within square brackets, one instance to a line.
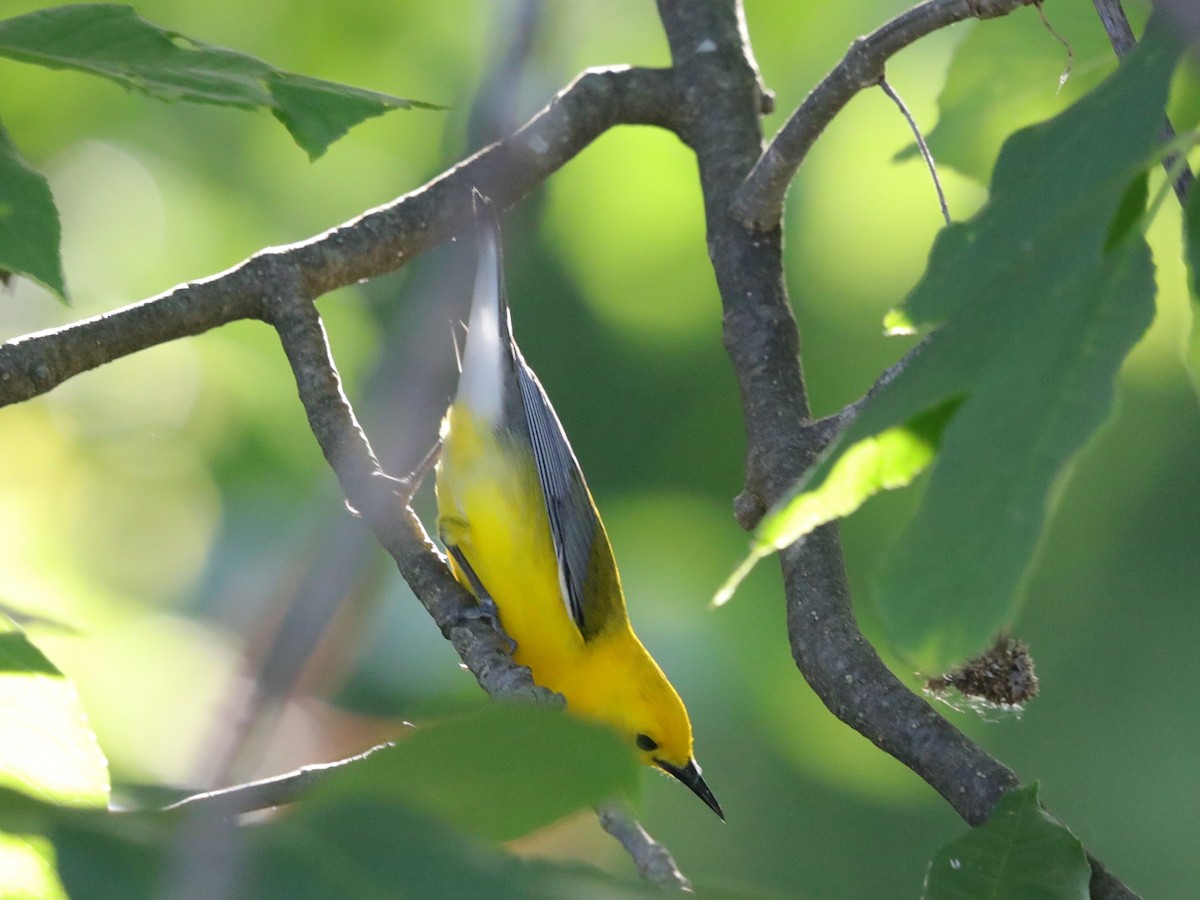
[382, 501]
[266, 793]
[1120, 35]
[711, 98]
[720, 87]
[372, 244]
[759, 202]
[653, 860]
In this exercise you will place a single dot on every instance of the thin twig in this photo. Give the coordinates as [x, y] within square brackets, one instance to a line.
[921, 145]
[822, 432]
[267, 793]
[759, 201]
[653, 860]
[1120, 35]
[1066, 45]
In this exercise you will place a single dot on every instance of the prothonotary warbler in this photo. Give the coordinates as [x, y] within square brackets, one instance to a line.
[523, 535]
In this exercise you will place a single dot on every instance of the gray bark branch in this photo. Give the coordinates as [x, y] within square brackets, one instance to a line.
[759, 202]
[375, 243]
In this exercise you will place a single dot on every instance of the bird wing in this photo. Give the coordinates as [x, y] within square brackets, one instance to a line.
[586, 571]
[498, 385]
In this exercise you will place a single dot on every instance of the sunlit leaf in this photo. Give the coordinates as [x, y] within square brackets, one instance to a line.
[1037, 300]
[47, 749]
[1020, 852]
[1191, 251]
[29, 230]
[27, 868]
[499, 773]
[114, 42]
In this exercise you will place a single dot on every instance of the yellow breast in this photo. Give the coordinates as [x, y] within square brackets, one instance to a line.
[490, 505]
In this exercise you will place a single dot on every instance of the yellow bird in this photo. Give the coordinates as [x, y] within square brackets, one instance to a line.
[523, 535]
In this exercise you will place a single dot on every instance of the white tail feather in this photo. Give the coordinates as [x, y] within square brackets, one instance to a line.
[479, 385]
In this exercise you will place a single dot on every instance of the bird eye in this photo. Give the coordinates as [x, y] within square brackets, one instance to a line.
[645, 742]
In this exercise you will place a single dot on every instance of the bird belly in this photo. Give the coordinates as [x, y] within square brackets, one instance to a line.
[490, 506]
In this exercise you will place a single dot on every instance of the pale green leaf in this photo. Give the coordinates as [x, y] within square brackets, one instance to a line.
[47, 749]
[27, 868]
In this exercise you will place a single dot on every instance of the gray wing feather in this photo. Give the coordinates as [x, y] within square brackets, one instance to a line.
[573, 522]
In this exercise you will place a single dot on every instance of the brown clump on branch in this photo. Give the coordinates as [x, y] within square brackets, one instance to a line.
[1003, 676]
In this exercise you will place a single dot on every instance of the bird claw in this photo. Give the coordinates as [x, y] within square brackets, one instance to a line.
[487, 610]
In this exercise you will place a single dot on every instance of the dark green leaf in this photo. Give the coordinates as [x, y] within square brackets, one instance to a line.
[379, 826]
[1191, 252]
[114, 42]
[354, 844]
[499, 773]
[29, 229]
[1020, 853]
[100, 858]
[1005, 75]
[1037, 308]
[1039, 316]
[372, 848]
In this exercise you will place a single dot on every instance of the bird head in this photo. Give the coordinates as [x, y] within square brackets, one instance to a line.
[641, 703]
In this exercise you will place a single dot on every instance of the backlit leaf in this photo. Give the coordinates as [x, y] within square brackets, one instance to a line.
[112, 41]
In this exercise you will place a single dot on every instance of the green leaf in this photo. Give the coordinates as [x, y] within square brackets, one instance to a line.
[499, 773]
[1191, 252]
[1039, 311]
[351, 847]
[368, 847]
[112, 41]
[1005, 75]
[1038, 299]
[29, 229]
[47, 749]
[359, 838]
[316, 113]
[393, 824]
[1021, 852]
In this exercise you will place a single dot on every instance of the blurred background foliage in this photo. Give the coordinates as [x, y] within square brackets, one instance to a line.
[157, 516]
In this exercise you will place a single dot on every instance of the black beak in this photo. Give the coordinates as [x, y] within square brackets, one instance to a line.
[690, 775]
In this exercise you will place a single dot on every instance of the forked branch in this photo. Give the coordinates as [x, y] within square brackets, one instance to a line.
[759, 201]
